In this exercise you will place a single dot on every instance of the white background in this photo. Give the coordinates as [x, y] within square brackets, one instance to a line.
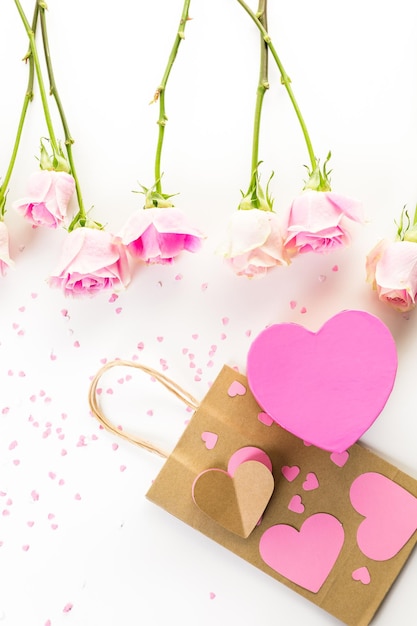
[75, 527]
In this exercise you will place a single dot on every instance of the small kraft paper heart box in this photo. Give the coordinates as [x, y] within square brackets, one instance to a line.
[269, 466]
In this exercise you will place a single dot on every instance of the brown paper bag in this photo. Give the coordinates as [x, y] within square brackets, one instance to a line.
[335, 528]
[311, 493]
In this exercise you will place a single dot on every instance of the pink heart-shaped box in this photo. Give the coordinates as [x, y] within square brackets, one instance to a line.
[326, 387]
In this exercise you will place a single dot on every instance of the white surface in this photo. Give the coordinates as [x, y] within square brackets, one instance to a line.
[114, 556]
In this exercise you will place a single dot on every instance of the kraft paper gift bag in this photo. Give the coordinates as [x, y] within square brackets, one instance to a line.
[334, 526]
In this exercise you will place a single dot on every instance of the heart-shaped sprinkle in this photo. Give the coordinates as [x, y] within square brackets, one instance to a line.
[296, 504]
[210, 439]
[265, 419]
[340, 458]
[290, 472]
[362, 575]
[311, 482]
[236, 389]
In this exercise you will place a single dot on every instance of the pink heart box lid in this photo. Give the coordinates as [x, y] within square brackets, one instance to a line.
[326, 387]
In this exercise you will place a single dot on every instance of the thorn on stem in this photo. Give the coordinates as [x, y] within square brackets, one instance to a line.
[155, 96]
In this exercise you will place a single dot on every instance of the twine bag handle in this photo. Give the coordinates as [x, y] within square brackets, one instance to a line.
[169, 384]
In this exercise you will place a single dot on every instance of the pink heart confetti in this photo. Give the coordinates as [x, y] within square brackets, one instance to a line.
[210, 439]
[290, 472]
[340, 458]
[296, 504]
[311, 482]
[362, 575]
[236, 389]
[265, 419]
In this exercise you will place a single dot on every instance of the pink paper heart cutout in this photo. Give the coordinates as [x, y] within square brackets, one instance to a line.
[327, 387]
[265, 419]
[340, 458]
[248, 453]
[362, 575]
[290, 472]
[236, 389]
[235, 502]
[311, 482]
[390, 515]
[296, 504]
[306, 557]
[210, 439]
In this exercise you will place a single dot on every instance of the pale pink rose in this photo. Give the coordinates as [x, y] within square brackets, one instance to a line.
[92, 260]
[391, 269]
[318, 221]
[47, 199]
[253, 244]
[5, 260]
[159, 235]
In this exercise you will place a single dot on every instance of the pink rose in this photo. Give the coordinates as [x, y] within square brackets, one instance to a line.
[48, 196]
[318, 221]
[5, 260]
[91, 260]
[253, 244]
[391, 269]
[158, 235]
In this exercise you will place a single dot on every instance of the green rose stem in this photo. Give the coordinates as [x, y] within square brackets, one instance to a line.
[81, 216]
[285, 81]
[263, 85]
[27, 99]
[34, 52]
[160, 95]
